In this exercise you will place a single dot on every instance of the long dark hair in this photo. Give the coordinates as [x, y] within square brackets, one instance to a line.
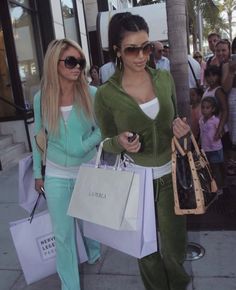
[213, 70]
[233, 46]
[121, 23]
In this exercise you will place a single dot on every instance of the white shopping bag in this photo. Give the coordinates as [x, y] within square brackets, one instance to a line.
[35, 246]
[26, 185]
[96, 192]
[141, 242]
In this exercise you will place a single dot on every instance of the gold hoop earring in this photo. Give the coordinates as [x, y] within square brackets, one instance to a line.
[119, 63]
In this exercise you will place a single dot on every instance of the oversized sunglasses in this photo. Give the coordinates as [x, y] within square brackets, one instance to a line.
[135, 50]
[71, 62]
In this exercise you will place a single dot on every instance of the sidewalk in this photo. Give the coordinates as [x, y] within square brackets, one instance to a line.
[116, 271]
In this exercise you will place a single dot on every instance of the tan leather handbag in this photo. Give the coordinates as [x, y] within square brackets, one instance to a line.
[194, 187]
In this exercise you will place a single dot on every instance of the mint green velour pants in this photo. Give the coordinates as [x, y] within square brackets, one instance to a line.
[58, 194]
[164, 270]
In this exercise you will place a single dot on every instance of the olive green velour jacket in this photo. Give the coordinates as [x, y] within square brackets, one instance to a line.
[117, 112]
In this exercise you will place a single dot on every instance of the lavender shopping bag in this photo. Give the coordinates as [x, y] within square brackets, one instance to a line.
[138, 243]
[26, 191]
[35, 246]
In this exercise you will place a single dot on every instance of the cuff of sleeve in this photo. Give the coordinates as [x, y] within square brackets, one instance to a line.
[38, 174]
[112, 145]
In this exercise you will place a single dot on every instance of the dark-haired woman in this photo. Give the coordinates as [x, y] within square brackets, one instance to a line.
[141, 100]
[65, 108]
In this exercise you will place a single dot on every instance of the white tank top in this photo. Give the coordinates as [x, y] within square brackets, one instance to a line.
[210, 93]
[151, 108]
[65, 111]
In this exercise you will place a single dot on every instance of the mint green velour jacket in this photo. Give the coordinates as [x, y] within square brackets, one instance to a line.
[117, 112]
[76, 140]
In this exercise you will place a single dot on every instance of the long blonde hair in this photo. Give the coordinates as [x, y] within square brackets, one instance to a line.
[50, 86]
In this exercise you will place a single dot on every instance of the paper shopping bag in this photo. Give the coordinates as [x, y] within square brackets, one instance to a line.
[141, 242]
[26, 191]
[106, 196]
[35, 246]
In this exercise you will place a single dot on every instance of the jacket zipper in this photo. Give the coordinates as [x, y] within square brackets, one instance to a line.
[66, 141]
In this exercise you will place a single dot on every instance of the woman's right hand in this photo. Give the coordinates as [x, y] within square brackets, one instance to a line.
[129, 146]
[39, 183]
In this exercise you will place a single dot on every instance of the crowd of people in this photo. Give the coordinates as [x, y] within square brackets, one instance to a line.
[217, 81]
[128, 98]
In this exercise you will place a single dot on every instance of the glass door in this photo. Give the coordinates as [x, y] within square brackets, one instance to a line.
[5, 83]
[24, 38]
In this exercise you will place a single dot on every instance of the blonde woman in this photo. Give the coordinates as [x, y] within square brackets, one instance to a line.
[65, 108]
[198, 57]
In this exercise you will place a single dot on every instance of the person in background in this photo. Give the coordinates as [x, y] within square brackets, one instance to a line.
[194, 73]
[212, 38]
[94, 74]
[222, 53]
[210, 142]
[229, 86]
[64, 107]
[161, 62]
[195, 103]
[106, 71]
[141, 100]
[214, 90]
[198, 57]
[166, 51]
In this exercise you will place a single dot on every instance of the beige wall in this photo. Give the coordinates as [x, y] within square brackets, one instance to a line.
[58, 24]
[91, 10]
[83, 32]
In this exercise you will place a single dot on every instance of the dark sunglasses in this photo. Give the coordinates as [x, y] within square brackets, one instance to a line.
[197, 56]
[71, 62]
[135, 50]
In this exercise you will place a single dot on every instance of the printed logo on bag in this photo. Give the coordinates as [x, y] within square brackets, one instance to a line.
[97, 194]
[47, 247]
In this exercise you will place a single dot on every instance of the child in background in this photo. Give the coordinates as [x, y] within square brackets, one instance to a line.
[215, 91]
[210, 141]
[195, 102]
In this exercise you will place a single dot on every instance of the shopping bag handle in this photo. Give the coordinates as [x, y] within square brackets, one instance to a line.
[35, 206]
[117, 164]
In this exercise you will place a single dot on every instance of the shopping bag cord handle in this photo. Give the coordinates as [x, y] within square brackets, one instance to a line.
[35, 206]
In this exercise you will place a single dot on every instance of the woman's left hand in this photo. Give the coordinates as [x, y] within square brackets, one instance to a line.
[180, 127]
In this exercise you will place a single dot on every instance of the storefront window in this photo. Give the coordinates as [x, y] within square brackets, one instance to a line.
[5, 84]
[68, 13]
[26, 51]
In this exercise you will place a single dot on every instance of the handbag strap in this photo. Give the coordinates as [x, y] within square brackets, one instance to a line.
[194, 76]
[184, 149]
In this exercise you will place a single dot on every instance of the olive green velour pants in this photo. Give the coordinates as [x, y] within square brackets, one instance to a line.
[164, 270]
